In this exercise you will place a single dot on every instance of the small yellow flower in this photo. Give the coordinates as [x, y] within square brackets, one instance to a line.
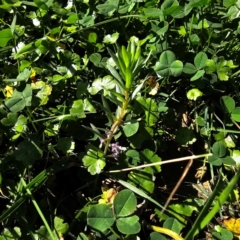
[33, 75]
[8, 90]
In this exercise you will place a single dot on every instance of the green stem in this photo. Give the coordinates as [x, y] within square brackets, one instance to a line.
[118, 237]
[104, 22]
[117, 123]
[39, 210]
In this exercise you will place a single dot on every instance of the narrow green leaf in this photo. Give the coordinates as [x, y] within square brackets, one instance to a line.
[13, 25]
[129, 78]
[116, 76]
[139, 192]
[126, 57]
[205, 215]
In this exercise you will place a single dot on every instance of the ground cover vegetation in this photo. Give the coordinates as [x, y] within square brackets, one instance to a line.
[119, 119]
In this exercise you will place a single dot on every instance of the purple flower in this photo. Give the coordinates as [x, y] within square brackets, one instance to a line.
[116, 149]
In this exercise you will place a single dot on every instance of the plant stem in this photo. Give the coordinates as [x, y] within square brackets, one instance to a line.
[162, 162]
[38, 210]
[117, 122]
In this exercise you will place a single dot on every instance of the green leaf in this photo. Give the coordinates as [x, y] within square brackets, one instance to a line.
[198, 3]
[24, 76]
[143, 179]
[194, 39]
[94, 161]
[227, 103]
[193, 94]
[87, 106]
[172, 224]
[185, 136]
[117, 77]
[10, 120]
[72, 19]
[200, 60]
[162, 28]
[66, 145]
[19, 127]
[13, 24]
[153, 12]
[182, 31]
[162, 67]
[128, 78]
[176, 68]
[111, 38]
[28, 151]
[222, 234]
[126, 57]
[167, 4]
[236, 114]
[215, 160]
[229, 141]
[151, 110]
[129, 225]
[228, 160]
[149, 156]
[218, 136]
[19, 100]
[180, 212]
[189, 68]
[203, 24]
[139, 192]
[137, 90]
[92, 37]
[198, 74]
[229, 3]
[5, 36]
[167, 58]
[223, 73]
[130, 129]
[236, 156]
[156, 236]
[125, 203]
[78, 109]
[200, 121]
[134, 156]
[210, 66]
[82, 236]
[100, 217]
[106, 8]
[105, 83]
[41, 4]
[59, 226]
[174, 10]
[219, 149]
[11, 234]
[95, 58]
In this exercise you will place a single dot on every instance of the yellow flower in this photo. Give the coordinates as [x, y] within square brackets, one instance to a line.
[8, 90]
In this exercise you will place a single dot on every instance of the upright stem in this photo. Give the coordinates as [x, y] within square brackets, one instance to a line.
[118, 122]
